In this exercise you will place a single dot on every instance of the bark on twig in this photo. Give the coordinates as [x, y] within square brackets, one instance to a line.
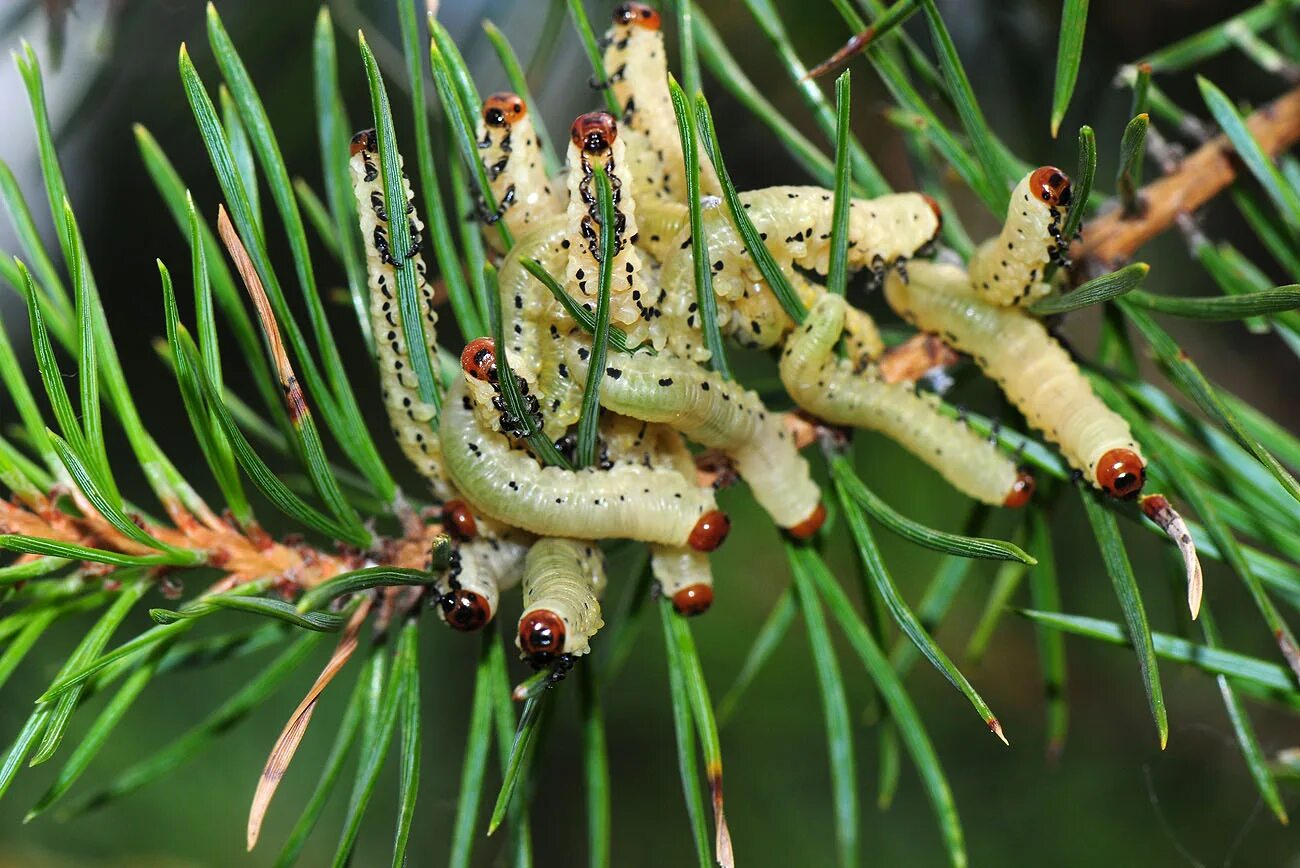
[1111, 240]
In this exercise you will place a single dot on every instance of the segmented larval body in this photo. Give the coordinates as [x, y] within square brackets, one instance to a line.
[537, 326]
[516, 170]
[1032, 368]
[562, 584]
[795, 225]
[717, 413]
[411, 418]
[508, 483]
[832, 390]
[595, 142]
[1008, 269]
[684, 575]
[470, 590]
[637, 65]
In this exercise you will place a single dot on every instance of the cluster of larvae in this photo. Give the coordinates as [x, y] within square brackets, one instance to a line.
[516, 521]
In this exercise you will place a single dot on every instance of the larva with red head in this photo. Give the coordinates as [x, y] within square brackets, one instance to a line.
[596, 140]
[470, 590]
[538, 323]
[1008, 269]
[637, 65]
[829, 388]
[512, 155]
[716, 413]
[411, 418]
[563, 580]
[685, 577]
[1033, 370]
[510, 485]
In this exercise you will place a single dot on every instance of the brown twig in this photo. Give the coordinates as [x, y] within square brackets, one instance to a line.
[914, 358]
[1111, 240]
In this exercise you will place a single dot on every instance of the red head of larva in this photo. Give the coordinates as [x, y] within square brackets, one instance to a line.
[594, 132]
[458, 520]
[1120, 473]
[1021, 490]
[465, 610]
[541, 635]
[710, 531]
[693, 599]
[1051, 185]
[503, 109]
[639, 14]
[363, 141]
[810, 525]
[934, 206]
[479, 359]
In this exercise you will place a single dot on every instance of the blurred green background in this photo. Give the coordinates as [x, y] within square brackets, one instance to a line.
[1112, 798]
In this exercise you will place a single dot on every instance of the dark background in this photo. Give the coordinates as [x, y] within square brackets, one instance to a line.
[1113, 798]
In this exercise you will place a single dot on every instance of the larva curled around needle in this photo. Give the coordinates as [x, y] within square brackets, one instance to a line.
[830, 389]
[512, 155]
[637, 65]
[563, 580]
[412, 419]
[1008, 269]
[1033, 370]
[509, 484]
[716, 413]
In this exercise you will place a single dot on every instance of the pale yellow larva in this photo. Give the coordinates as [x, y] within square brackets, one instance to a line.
[1032, 368]
[637, 65]
[469, 591]
[1008, 268]
[795, 225]
[634, 303]
[684, 575]
[412, 420]
[829, 388]
[536, 324]
[512, 155]
[717, 413]
[509, 484]
[563, 580]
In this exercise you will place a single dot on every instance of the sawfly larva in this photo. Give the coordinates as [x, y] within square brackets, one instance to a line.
[829, 388]
[411, 418]
[481, 567]
[538, 324]
[684, 576]
[1008, 269]
[1032, 368]
[512, 155]
[562, 583]
[716, 413]
[478, 361]
[795, 225]
[595, 141]
[637, 65]
[509, 484]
